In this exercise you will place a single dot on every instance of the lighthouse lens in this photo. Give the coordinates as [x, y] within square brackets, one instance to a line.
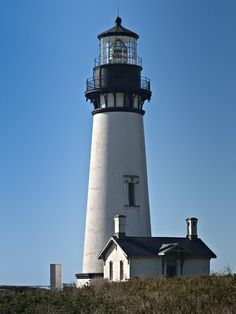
[118, 49]
[118, 52]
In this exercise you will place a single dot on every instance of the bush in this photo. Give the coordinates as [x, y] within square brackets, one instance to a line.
[196, 294]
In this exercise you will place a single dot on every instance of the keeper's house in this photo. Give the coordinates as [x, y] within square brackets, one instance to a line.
[128, 257]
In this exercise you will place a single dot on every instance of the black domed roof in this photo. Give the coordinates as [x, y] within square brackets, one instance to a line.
[118, 29]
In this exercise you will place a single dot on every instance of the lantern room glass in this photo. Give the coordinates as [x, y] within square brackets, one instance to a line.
[118, 49]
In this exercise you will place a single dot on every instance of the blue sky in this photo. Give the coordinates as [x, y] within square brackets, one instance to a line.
[47, 49]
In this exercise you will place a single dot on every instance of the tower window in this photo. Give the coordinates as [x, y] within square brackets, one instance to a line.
[131, 194]
[121, 270]
[111, 270]
[131, 191]
[129, 101]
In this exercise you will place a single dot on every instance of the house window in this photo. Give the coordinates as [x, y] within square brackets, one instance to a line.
[121, 270]
[111, 270]
[131, 191]
[163, 265]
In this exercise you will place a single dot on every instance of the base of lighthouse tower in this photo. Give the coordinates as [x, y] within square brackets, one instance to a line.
[118, 174]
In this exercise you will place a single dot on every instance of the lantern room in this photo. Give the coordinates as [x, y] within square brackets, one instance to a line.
[117, 84]
[118, 45]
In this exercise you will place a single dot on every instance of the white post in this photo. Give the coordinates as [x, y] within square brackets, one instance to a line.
[55, 277]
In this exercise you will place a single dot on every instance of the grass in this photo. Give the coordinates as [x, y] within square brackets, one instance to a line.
[198, 294]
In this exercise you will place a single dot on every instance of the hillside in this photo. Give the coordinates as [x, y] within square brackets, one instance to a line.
[205, 294]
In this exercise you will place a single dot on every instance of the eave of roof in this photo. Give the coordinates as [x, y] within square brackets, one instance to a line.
[151, 246]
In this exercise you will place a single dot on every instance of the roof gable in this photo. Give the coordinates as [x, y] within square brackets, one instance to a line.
[109, 244]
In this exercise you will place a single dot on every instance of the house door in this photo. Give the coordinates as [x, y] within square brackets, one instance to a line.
[171, 269]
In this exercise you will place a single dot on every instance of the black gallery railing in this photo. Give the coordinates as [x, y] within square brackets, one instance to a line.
[93, 83]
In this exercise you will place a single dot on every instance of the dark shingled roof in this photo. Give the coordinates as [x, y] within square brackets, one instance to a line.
[118, 29]
[151, 246]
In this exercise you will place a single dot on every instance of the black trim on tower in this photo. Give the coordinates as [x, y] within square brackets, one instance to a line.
[89, 275]
[112, 109]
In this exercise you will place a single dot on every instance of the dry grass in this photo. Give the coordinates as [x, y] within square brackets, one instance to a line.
[199, 294]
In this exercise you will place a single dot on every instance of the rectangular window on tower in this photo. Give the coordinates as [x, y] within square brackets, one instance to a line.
[131, 196]
[131, 191]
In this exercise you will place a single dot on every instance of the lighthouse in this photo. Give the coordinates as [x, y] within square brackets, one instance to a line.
[118, 174]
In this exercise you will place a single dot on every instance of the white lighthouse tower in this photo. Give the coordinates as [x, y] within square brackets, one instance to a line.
[118, 173]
